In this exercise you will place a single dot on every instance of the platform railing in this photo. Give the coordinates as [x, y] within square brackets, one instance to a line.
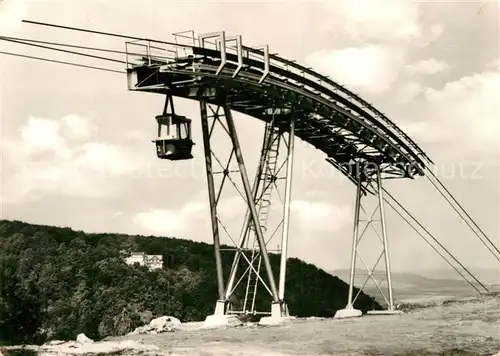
[145, 49]
[141, 52]
[146, 52]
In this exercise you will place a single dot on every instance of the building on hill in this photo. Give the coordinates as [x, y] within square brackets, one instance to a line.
[151, 261]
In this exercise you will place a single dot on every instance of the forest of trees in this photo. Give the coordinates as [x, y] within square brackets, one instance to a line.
[57, 282]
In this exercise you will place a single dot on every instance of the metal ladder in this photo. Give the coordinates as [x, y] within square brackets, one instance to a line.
[252, 281]
[267, 178]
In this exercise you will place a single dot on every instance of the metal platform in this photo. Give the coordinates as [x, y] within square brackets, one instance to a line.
[252, 81]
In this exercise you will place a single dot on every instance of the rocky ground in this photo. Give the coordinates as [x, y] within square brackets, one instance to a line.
[468, 327]
[464, 327]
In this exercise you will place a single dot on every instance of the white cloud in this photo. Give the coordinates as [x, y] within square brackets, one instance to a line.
[381, 34]
[494, 64]
[406, 92]
[436, 30]
[318, 215]
[410, 86]
[107, 159]
[310, 216]
[370, 68]
[464, 112]
[186, 219]
[12, 13]
[379, 21]
[34, 180]
[232, 207]
[423, 131]
[53, 156]
[163, 222]
[174, 222]
[79, 128]
[386, 20]
[429, 67]
[40, 136]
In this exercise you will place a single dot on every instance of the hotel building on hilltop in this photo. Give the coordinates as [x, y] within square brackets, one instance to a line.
[151, 261]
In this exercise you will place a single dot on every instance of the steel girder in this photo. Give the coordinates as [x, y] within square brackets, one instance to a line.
[348, 134]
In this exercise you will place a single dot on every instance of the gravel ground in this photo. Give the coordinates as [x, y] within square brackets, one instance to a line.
[467, 327]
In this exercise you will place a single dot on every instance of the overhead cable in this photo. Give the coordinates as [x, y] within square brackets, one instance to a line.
[62, 62]
[434, 239]
[497, 253]
[104, 33]
[63, 50]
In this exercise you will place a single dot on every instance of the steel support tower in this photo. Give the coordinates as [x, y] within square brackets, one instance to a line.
[270, 172]
[225, 76]
[293, 101]
[369, 219]
[252, 245]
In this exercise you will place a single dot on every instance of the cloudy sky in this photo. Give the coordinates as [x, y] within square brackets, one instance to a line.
[76, 147]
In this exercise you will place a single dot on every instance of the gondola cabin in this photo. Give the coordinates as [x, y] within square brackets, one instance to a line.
[174, 137]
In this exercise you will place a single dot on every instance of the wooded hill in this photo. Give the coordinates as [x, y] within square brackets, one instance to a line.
[56, 282]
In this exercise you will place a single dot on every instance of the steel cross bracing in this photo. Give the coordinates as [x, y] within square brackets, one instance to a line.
[254, 237]
[265, 179]
[348, 134]
[369, 219]
[270, 173]
[350, 131]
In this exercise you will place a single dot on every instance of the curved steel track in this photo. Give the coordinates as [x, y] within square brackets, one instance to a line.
[328, 116]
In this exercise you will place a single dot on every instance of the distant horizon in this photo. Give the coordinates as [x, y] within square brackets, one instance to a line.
[448, 270]
[76, 143]
[343, 269]
[432, 269]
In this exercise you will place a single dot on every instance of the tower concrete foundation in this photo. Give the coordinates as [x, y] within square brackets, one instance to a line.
[279, 316]
[348, 313]
[219, 319]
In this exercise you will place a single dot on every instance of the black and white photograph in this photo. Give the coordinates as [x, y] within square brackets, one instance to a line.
[250, 177]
